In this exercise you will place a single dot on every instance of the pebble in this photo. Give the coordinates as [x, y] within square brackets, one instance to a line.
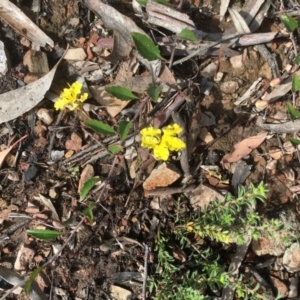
[229, 87]
[291, 258]
[31, 173]
[162, 176]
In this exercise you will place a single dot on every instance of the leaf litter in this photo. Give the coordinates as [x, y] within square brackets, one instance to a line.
[226, 146]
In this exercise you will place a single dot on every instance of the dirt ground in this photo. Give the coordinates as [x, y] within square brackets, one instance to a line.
[109, 250]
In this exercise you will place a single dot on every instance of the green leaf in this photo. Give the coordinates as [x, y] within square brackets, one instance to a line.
[100, 127]
[154, 91]
[31, 279]
[124, 128]
[44, 234]
[294, 142]
[88, 211]
[144, 2]
[88, 185]
[290, 23]
[187, 34]
[296, 83]
[114, 149]
[295, 114]
[297, 60]
[121, 93]
[145, 46]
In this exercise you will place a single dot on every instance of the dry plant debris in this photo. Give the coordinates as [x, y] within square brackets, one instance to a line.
[146, 134]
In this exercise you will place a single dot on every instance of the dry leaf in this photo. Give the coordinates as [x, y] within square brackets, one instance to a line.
[4, 153]
[223, 8]
[22, 24]
[75, 143]
[243, 148]
[32, 94]
[86, 174]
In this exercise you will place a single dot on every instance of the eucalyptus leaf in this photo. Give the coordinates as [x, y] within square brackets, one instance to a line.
[114, 149]
[296, 83]
[124, 128]
[289, 22]
[88, 185]
[154, 91]
[187, 34]
[144, 2]
[145, 46]
[44, 234]
[99, 127]
[121, 93]
[294, 142]
[88, 211]
[295, 114]
[31, 279]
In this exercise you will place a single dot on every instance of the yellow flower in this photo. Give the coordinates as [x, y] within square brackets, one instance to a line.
[71, 97]
[161, 152]
[162, 145]
[173, 143]
[172, 129]
[151, 137]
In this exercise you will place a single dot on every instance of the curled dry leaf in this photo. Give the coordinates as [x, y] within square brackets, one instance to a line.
[31, 95]
[4, 153]
[243, 148]
[22, 24]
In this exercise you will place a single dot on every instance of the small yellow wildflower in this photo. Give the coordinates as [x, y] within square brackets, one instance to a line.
[172, 129]
[161, 152]
[152, 138]
[71, 97]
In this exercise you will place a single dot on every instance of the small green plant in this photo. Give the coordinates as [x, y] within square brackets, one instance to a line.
[200, 236]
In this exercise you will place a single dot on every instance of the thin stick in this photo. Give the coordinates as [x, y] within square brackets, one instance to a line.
[145, 271]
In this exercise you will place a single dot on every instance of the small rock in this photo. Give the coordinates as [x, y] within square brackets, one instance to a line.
[24, 258]
[118, 293]
[280, 286]
[25, 42]
[56, 155]
[162, 176]
[237, 61]
[3, 60]
[75, 54]
[291, 258]
[46, 115]
[229, 87]
[203, 195]
[75, 143]
[293, 287]
[269, 245]
[37, 64]
[209, 70]
[31, 173]
[40, 130]
[53, 194]
[218, 77]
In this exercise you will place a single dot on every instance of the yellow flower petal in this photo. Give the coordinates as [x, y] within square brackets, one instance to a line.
[151, 137]
[71, 97]
[60, 104]
[173, 143]
[172, 129]
[83, 97]
[161, 152]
